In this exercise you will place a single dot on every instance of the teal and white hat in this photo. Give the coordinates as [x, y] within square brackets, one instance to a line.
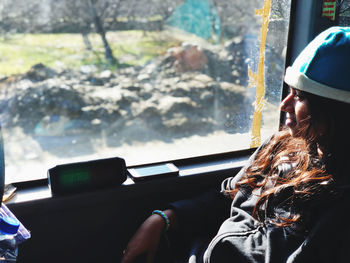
[323, 67]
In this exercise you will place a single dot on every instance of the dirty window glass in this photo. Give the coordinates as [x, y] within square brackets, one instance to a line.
[343, 9]
[146, 80]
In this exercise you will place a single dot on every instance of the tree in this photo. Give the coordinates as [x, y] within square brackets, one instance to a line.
[101, 31]
[85, 16]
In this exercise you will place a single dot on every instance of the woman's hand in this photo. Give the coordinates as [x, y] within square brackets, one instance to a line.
[146, 239]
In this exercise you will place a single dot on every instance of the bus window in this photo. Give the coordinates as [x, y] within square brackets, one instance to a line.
[344, 13]
[145, 80]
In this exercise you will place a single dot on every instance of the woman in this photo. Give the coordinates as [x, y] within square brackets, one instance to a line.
[289, 203]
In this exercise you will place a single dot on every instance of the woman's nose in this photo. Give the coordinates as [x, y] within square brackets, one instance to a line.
[287, 104]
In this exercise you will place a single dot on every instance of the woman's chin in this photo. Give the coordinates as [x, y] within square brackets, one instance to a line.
[292, 130]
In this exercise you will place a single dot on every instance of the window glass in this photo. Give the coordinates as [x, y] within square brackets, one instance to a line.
[146, 80]
[343, 9]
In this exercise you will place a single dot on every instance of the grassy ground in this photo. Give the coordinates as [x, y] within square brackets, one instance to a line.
[19, 52]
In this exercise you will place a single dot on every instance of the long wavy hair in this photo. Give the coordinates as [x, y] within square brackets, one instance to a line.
[313, 177]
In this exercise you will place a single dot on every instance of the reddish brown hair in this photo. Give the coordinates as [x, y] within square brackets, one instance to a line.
[312, 176]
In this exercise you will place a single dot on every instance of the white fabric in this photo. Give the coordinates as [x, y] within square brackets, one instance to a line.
[300, 81]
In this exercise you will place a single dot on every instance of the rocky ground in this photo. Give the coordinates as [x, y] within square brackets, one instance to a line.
[173, 95]
[189, 91]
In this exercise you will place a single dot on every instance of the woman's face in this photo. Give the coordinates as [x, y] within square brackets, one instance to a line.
[297, 111]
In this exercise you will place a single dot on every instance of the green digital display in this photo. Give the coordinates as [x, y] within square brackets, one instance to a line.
[86, 176]
[75, 176]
